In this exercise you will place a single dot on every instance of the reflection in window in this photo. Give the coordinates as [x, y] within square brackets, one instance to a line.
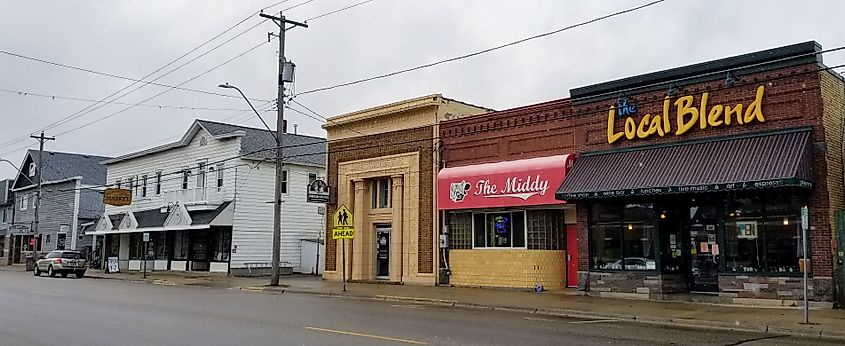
[181, 245]
[499, 230]
[743, 223]
[623, 237]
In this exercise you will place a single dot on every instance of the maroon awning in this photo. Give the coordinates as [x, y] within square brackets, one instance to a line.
[753, 161]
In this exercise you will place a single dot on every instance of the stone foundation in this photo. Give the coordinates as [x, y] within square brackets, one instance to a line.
[631, 284]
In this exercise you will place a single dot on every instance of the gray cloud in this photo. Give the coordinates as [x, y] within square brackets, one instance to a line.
[133, 38]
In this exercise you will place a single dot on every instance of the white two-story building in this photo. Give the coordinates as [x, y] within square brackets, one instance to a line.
[206, 202]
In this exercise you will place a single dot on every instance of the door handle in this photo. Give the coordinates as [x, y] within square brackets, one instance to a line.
[568, 258]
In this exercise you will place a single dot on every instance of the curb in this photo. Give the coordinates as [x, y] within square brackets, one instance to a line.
[673, 322]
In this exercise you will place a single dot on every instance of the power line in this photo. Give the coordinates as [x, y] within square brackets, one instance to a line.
[70, 98]
[465, 56]
[339, 10]
[163, 92]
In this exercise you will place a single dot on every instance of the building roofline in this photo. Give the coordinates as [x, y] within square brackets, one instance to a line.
[392, 108]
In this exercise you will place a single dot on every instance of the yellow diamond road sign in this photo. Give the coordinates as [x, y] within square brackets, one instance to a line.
[343, 233]
[342, 218]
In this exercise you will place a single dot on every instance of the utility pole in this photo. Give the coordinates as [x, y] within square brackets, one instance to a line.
[41, 139]
[280, 123]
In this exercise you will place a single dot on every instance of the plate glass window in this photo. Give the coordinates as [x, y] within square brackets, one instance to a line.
[499, 230]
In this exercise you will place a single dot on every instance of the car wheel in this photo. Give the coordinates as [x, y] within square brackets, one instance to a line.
[36, 272]
[50, 272]
[64, 274]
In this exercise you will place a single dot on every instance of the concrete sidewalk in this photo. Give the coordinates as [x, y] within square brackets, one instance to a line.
[827, 323]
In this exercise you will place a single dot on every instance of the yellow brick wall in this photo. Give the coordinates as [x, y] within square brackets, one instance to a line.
[508, 268]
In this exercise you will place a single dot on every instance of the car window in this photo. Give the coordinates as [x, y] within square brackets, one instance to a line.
[54, 255]
[71, 255]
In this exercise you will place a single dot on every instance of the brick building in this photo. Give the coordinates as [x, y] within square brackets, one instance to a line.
[672, 202]
[382, 163]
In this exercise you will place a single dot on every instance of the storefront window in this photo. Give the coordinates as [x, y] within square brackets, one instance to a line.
[743, 245]
[221, 245]
[546, 229]
[624, 237]
[460, 231]
[181, 245]
[499, 230]
[136, 246]
[782, 234]
[159, 244]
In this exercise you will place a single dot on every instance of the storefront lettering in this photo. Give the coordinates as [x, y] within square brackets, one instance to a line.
[765, 184]
[687, 116]
[514, 187]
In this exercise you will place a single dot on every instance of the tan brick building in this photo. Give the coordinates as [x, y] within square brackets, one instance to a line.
[382, 164]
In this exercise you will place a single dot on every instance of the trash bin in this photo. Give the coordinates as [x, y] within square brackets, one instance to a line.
[30, 262]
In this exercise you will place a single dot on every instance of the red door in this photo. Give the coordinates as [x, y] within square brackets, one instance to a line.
[571, 255]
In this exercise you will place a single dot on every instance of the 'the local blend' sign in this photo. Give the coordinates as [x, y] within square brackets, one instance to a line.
[502, 184]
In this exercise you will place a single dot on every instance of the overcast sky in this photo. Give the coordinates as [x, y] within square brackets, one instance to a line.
[134, 38]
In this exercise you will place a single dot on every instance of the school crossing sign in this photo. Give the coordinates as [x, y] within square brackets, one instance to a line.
[342, 222]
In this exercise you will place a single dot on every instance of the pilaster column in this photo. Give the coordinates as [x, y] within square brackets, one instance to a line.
[358, 263]
[398, 241]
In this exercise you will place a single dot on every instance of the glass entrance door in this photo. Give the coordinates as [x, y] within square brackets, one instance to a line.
[199, 250]
[704, 248]
[382, 252]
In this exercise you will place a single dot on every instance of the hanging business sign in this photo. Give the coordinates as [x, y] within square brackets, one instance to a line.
[117, 197]
[502, 184]
[688, 114]
[318, 192]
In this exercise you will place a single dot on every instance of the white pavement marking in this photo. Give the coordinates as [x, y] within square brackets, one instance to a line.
[593, 321]
[540, 319]
[343, 332]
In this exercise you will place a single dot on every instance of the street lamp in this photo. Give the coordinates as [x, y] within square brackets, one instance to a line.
[277, 195]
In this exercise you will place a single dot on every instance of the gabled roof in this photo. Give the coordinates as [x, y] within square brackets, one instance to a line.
[60, 166]
[299, 149]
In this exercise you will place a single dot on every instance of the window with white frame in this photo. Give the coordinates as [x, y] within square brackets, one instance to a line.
[284, 182]
[186, 176]
[220, 168]
[130, 181]
[158, 183]
[504, 229]
[381, 193]
[201, 174]
[24, 201]
[118, 183]
[32, 169]
[4, 215]
[144, 185]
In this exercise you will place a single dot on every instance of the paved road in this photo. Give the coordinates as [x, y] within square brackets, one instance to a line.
[56, 311]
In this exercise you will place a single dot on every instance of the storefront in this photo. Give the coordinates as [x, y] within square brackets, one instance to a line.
[179, 239]
[691, 180]
[504, 226]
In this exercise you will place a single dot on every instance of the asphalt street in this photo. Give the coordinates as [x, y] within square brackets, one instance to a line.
[56, 311]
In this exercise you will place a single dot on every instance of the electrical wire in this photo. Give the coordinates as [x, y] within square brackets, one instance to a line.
[70, 98]
[484, 51]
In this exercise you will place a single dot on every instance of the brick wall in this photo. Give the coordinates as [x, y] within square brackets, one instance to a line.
[797, 96]
[391, 143]
[508, 268]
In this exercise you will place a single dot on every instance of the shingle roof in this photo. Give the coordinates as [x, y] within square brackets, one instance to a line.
[297, 148]
[202, 217]
[60, 166]
[150, 218]
[753, 161]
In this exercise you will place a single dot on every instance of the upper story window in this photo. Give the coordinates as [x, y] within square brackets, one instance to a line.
[131, 181]
[158, 183]
[312, 177]
[201, 174]
[284, 182]
[219, 176]
[24, 201]
[186, 176]
[4, 215]
[32, 169]
[381, 193]
[144, 185]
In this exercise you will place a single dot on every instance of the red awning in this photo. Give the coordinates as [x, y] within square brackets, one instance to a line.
[502, 184]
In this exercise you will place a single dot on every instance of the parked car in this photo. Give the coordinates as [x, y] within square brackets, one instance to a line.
[62, 262]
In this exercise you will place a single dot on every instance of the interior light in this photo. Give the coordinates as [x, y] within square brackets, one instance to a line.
[662, 215]
[786, 221]
[630, 227]
[731, 214]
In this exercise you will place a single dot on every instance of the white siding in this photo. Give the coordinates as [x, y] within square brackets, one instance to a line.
[172, 161]
[254, 214]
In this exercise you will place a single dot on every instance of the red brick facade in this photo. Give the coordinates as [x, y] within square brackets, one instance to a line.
[793, 98]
